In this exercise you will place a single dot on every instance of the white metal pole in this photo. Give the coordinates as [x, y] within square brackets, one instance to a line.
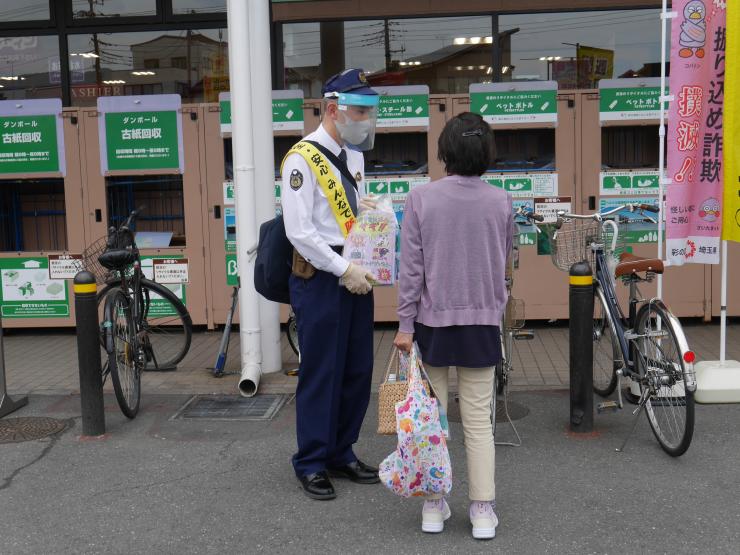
[661, 140]
[244, 189]
[264, 157]
[723, 307]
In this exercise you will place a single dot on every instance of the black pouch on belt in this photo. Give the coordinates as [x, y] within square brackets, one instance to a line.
[302, 268]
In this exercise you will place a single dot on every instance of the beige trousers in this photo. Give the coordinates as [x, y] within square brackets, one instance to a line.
[475, 387]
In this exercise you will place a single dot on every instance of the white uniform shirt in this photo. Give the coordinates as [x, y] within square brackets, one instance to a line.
[309, 222]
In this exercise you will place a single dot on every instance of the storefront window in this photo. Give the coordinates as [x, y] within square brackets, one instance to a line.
[191, 63]
[29, 67]
[84, 9]
[579, 49]
[302, 58]
[24, 10]
[192, 7]
[447, 54]
[364, 45]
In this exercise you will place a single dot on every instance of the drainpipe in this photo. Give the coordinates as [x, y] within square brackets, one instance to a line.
[244, 189]
[264, 157]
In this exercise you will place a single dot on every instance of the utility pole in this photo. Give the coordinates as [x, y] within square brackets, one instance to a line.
[188, 37]
[387, 40]
[96, 49]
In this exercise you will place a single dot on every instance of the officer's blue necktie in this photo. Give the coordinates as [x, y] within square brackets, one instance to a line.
[349, 189]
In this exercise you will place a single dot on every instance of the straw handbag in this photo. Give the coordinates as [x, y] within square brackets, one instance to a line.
[392, 392]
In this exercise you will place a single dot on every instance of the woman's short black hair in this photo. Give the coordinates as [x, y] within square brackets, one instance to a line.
[466, 145]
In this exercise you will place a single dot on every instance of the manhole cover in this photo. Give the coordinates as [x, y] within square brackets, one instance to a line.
[232, 407]
[16, 430]
[517, 411]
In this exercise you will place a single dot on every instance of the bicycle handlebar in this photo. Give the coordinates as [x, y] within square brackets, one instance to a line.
[531, 215]
[598, 216]
[131, 218]
[650, 208]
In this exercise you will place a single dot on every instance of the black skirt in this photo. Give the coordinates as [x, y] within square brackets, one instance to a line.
[468, 346]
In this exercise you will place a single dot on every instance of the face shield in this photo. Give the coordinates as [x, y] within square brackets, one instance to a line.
[356, 119]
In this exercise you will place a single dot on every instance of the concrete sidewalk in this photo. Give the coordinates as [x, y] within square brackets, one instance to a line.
[157, 485]
[45, 362]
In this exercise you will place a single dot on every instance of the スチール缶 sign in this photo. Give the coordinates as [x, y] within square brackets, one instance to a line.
[406, 106]
[140, 133]
[31, 137]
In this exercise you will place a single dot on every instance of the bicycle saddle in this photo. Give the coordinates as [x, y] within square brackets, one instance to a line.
[117, 259]
[631, 264]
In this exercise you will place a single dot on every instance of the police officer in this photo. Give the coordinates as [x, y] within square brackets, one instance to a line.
[333, 302]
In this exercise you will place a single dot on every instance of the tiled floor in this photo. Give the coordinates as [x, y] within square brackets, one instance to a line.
[45, 362]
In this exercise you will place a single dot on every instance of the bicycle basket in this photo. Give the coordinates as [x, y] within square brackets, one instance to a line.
[90, 260]
[572, 243]
[514, 317]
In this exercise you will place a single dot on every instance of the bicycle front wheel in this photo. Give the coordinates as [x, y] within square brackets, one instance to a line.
[669, 406]
[167, 326]
[125, 358]
[607, 357]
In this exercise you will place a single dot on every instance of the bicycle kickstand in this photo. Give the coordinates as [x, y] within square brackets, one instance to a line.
[636, 413]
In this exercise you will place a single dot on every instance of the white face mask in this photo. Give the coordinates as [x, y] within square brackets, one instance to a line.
[354, 132]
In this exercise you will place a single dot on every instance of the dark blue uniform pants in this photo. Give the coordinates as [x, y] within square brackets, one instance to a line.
[335, 334]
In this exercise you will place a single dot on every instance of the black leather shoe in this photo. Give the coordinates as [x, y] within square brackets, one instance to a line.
[318, 486]
[358, 472]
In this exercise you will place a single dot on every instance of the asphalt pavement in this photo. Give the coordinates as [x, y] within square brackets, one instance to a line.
[163, 485]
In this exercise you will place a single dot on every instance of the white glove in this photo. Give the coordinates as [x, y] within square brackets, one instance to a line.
[368, 203]
[356, 279]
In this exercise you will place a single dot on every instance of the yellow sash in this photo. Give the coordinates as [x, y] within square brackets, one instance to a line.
[329, 183]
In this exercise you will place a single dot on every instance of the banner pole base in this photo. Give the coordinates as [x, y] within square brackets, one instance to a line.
[717, 382]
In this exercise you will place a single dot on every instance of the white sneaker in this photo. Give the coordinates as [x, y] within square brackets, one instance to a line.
[484, 520]
[433, 515]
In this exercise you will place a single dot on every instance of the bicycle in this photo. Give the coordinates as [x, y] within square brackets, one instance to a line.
[511, 327]
[145, 326]
[648, 345]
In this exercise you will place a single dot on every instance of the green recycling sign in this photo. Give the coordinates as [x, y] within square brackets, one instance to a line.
[629, 99]
[232, 270]
[27, 291]
[287, 114]
[505, 103]
[287, 111]
[144, 140]
[525, 185]
[140, 133]
[397, 187]
[31, 137]
[406, 106]
[637, 182]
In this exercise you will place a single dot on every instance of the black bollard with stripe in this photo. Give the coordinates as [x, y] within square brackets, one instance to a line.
[581, 311]
[88, 354]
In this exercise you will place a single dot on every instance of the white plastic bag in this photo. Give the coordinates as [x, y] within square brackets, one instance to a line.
[372, 241]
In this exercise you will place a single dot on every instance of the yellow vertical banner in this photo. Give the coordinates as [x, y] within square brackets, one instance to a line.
[731, 207]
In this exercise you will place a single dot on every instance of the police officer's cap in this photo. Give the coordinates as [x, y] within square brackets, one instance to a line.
[349, 81]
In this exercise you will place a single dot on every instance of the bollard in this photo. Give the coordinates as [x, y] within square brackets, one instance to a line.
[88, 355]
[581, 313]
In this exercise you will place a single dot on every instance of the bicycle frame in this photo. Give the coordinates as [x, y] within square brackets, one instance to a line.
[621, 324]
